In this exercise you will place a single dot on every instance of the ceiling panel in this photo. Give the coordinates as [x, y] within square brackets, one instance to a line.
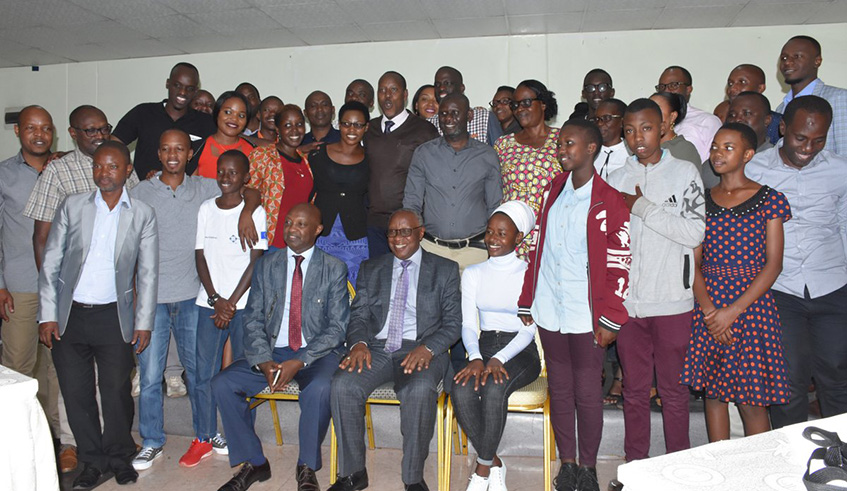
[527, 7]
[270, 38]
[206, 43]
[829, 12]
[537, 24]
[372, 11]
[236, 21]
[42, 37]
[397, 31]
[613, 20]
[330, 35]
[699, 17]
[308, 15]
[200, 6]
[122, 9]
[168, 25]
[87, 52]
[451, 9]
[768, 14]
[30, 57]
[460, 28]
[104, 32]
[144, 48]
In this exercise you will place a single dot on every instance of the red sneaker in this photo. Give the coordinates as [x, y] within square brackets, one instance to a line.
[196, 452]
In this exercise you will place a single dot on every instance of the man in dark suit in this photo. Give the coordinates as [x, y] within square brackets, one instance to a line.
[404, 318]
[294, 323]
[84, 318]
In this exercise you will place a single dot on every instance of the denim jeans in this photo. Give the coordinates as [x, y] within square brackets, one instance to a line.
[181, 317]
[210, 348]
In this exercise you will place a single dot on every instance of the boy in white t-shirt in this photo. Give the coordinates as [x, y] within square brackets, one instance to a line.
[225, 271]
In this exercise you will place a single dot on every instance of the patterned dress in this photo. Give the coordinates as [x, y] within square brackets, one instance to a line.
[751, 370]
[267, 177]
[526, 171]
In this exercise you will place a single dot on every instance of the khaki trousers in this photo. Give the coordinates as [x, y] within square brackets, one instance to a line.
[464, 256]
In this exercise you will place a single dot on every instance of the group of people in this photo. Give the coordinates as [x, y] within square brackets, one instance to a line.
[708, 248]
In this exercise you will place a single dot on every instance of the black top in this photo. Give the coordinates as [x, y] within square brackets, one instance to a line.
[334, 136]
[748, 206]
[340, 190]
[146, 123]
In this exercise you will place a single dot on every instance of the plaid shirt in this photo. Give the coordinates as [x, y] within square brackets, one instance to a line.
[478, 127]
[62, 177]
[836, 138]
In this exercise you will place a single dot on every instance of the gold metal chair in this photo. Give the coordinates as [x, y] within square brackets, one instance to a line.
[534, 398]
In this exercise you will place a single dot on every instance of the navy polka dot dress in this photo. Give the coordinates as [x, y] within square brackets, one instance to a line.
[751, 370]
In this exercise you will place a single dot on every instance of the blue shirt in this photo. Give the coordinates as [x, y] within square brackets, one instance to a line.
[410, 318]
[816, 235]
[97, 281]
[282, 339]
[561, 296]
[807, 90]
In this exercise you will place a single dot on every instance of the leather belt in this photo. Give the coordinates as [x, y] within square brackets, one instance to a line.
[475, 241]
[89, 305]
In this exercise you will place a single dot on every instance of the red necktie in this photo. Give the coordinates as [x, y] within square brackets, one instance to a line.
[294, 321]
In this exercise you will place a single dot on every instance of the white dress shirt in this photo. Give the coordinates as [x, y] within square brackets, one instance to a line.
[97, 280]
[398, 121]
[617, 155]
[410, 318]
[282, 339]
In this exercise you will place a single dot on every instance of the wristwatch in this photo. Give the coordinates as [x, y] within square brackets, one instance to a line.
[212, 299]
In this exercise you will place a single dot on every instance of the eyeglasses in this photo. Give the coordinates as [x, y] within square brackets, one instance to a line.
[402, 232]
[500, 102]
[597, 88]
[605, 119]
[91, 132]
[350, 124]
[671, 86]
[522, 103]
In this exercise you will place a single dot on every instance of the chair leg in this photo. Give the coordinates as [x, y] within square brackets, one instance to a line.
[277, 428]
[455, 439]
[548, 446]
[448, 441]
[369, 424]
[464, 441]
[333, 453]
[439, 418]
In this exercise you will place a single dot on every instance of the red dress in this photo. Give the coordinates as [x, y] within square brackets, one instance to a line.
[751, 370]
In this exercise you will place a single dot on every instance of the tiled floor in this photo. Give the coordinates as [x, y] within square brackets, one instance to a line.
[524, 473]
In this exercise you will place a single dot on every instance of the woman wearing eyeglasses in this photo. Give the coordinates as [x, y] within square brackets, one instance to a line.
[341, 181]
[528, 158]
[500, 106]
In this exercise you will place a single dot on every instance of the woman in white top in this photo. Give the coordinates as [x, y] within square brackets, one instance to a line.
[503, 358]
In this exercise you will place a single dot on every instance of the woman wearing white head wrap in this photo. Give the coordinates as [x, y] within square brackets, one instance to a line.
[505, 347]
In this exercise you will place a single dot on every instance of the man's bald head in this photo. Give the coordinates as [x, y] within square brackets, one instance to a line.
[83, 112]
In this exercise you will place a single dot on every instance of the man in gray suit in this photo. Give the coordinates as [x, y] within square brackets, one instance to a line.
[404, 318]
[86, 319]
[294, 325]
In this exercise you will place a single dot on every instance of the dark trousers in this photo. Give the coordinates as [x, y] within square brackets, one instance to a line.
[482, 414]
[94, 335]
[574, 371]
[232, 386]
[377, 242]
[645, 344]
[814, 345]
[418, 396]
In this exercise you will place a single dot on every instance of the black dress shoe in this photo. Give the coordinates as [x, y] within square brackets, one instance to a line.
[566, 478]
[421, 486]
[247, 475]
[88, 478]
[306, 479]
[586, 479]
[125, 475]
[353, 482]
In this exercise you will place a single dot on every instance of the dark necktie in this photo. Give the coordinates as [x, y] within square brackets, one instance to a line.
[295, 335]
[388, 125]
[605, 165]
[398, 310]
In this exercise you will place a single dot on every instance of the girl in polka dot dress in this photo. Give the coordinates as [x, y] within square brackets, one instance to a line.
[735, 353]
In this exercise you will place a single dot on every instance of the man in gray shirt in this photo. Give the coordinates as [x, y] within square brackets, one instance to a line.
[811, 291]
[454, 182]
[18, 276]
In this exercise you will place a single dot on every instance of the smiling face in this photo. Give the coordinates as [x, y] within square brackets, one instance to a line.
[501, 235]
[174, 151]
[453, 117]
[347, 125]
[319, 110]
[729, 152]
[203, 101]
[447, 81]
[302, 227]
[602, 89]
[743, 79]
[233, 174]
[427, 106]
[575, 151]
[804, 138]
[291, 128]
[90, 120]
[181, 85]
[500, 106]
[404, 247]
[799, 61]
[35, 131]
[642, 131]
[391, 96]
[532, 116]
[267, 112]
[232, 118]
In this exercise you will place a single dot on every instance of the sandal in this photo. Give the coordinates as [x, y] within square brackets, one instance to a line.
[833, 453]
[613, 400]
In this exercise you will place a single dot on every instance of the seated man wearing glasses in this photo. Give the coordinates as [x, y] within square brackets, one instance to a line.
[405, 316]
[699, 126]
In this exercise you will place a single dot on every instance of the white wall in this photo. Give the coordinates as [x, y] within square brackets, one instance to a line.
[634, 58]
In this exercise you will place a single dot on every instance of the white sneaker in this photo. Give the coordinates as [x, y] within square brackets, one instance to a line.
[497, 478]
[477, 483]
[145, 458]
[219, 445]
[176, 388]
[136, 383]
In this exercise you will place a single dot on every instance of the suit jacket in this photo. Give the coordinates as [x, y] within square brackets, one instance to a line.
[325, 308]
[439, 307]
[136, 249]
[836, 138]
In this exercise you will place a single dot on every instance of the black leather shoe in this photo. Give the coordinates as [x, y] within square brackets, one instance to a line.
[353, 482]
[566, 478]
[88, 478]
[421, 486]
[125, 475]
[247, 475]
[306, 479]
[586, 479]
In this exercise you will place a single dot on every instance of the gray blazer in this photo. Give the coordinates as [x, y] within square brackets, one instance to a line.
[136, 248]
[325, 308]
[439, 307]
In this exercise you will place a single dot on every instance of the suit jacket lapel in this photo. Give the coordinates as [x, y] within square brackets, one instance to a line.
[311, 278]
[279, 270]
[124, 221]
[89, 213]
[425, 279]
[385, 277]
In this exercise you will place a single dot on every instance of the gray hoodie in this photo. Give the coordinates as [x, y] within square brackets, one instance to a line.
[668, 222]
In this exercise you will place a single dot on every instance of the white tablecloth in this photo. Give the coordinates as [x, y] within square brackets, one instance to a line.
[27, 461]
[775, 460]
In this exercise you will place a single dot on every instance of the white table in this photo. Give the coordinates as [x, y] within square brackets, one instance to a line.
[775, 460]
[27, 461]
